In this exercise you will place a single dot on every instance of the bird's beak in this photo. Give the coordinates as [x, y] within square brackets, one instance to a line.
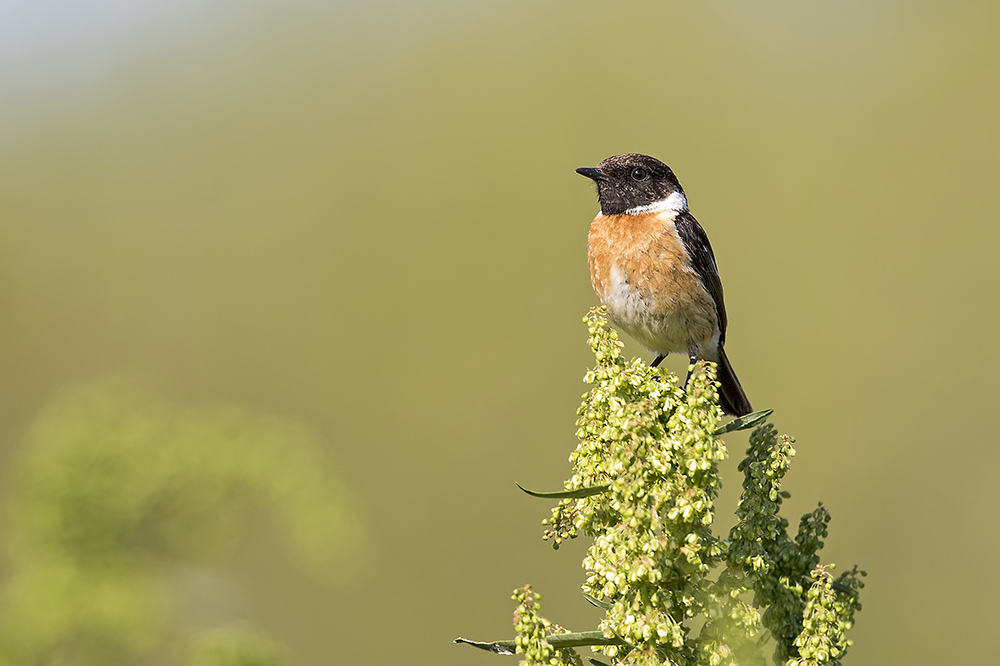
[593, 173]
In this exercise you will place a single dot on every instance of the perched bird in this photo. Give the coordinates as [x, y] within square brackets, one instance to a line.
[653, 268]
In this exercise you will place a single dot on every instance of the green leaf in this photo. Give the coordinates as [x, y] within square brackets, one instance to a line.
[560, 641]
[744, 422]
[567, 494]
[594, 601]
[581, 639]
[496, 647]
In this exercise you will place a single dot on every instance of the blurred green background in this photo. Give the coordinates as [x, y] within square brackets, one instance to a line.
[362, 217]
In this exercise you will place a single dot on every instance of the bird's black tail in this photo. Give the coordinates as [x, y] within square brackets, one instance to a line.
[731, 396]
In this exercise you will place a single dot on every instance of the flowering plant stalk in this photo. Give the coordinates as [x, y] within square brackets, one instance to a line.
[645, 479]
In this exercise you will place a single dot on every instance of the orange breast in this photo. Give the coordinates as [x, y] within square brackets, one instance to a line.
[641, 273]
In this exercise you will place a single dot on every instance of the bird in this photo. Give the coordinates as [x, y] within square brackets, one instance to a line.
[654, 270]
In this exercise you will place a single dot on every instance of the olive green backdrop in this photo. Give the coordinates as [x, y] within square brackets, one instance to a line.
[363, 218]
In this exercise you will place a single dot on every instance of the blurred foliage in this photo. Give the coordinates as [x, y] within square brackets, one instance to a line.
[234, 646]
[113, 492]
[673, 591]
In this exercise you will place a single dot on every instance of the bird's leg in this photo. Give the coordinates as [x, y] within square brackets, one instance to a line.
[656, 361]
[692, 358]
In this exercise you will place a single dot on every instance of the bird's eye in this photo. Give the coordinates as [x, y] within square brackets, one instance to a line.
[639, 173]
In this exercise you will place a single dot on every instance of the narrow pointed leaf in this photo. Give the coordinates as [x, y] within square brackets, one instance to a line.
[496, 647]
[567, 494]
[744, 422]
[594, 601]
[580, 639]
[577, 639]
[595, 662]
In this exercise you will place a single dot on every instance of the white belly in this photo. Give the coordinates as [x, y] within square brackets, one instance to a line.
[661, 323]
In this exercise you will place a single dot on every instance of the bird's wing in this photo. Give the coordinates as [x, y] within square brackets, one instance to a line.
[703, 260]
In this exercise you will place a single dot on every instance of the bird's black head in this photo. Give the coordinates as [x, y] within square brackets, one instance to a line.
[632, 181]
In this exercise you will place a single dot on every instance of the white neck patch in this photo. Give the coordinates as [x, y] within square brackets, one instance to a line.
[675, 203]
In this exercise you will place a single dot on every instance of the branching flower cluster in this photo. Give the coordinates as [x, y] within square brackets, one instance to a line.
[532, 630]
[645, 479]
